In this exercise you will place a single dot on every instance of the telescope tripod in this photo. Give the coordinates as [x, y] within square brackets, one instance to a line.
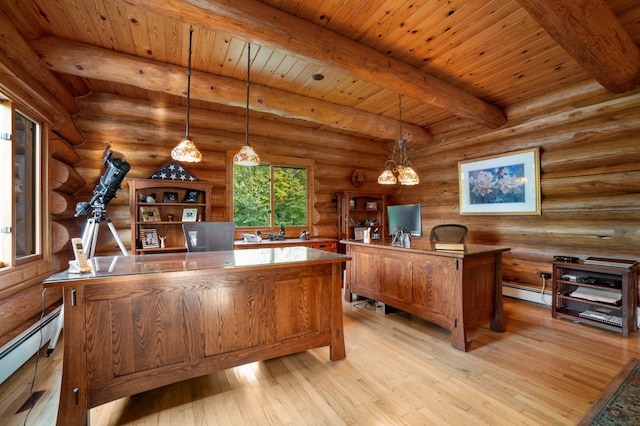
[89, 239]
[90, 235]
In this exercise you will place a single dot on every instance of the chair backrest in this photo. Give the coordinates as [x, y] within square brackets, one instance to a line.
[448, 233]
[209, 236]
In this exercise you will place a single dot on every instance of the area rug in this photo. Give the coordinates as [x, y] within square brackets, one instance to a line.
[619, 403]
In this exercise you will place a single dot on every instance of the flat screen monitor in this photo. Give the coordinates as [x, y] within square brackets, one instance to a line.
[407, 216]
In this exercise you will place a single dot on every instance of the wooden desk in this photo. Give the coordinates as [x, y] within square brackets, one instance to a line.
[140, 322]
[450, 289]
[328, 244]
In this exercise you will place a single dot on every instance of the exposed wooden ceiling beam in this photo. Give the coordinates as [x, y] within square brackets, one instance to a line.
[262, 24]
[87, 61]
[590, 32]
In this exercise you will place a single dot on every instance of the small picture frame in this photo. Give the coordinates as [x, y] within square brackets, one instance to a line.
[170, 197]
[149, 214]
[191, 196]
[189, 215]
[149, 238]
[371, 205]
[358, 233]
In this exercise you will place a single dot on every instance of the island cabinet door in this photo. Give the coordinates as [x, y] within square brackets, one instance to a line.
[434, 284]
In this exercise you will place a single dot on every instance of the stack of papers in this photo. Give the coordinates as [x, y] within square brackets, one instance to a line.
[598, 294]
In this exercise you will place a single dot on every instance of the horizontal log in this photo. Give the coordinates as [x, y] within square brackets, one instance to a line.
[62, 232]
[21, 310]
[63, 206]
[63, 151]
[65, 178]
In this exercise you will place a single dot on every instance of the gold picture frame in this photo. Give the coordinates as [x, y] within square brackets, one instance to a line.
[149, 214]
[506, 184]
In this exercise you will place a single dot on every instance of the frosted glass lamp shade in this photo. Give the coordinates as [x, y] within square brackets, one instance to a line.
[387, 178]
[246, 157]
[186, 151]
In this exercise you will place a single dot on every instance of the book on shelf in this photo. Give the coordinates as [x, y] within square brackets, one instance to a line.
[605, 261]
[449, 246]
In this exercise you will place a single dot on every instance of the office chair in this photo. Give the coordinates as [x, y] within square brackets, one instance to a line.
[209, 236]
[449, 233]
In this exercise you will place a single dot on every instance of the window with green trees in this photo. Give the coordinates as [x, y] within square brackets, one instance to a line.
[272, 194]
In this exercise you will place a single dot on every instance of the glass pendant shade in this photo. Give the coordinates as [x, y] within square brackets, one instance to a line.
[186, 151]
[246, 157]
[408, 176]
[387, 178]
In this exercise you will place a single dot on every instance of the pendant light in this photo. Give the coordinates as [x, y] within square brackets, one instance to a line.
[247, 156]
[186, 150]
[406, 174]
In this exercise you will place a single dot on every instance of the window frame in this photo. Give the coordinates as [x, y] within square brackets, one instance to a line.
[274, 160]
[20, 272]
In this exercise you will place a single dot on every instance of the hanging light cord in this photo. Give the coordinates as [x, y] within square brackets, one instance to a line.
[246, 141]
[186, 131]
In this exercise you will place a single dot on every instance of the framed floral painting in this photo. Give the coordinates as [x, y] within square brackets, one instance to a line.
[501, 184]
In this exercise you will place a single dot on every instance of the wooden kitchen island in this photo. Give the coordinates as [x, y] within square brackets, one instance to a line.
[449, 288]
[140, 322]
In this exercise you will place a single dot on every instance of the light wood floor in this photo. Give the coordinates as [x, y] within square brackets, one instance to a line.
[398, 370]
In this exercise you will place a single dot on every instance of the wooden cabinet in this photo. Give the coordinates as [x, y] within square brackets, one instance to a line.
[356, 210]
[167, 211]
[449, 289]
[587, 294]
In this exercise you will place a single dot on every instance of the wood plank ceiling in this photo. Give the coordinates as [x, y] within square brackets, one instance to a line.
[455, 60]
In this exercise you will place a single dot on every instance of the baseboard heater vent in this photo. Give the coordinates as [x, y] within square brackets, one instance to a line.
[18, 351]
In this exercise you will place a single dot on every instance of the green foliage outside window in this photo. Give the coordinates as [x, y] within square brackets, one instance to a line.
[253, 195]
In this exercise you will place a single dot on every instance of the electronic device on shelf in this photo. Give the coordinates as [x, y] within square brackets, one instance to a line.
[566, 258]
[601, 317]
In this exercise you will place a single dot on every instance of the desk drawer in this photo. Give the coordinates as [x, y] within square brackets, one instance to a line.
[326, 246]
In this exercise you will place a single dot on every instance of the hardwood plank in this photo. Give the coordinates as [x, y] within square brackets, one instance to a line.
[398, 370]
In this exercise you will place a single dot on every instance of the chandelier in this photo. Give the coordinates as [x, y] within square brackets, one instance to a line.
[406, 174]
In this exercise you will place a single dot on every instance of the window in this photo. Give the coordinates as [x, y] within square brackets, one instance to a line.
[21, 218]
[277, 192]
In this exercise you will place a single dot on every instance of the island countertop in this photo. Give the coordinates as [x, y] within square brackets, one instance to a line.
[110, 266]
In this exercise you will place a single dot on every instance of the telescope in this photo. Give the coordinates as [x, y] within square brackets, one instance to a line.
[105, 189]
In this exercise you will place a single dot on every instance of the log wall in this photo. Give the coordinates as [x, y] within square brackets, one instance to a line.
[590, 180]
[107, 122]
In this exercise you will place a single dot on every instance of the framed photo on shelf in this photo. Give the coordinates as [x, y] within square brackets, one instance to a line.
[149, 214]
[191, 196]
[371, 205]
[506, 184]
[170, 197]
[189, 215]
[149, 238]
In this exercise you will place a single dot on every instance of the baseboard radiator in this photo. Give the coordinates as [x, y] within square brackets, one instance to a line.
[18, 351]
